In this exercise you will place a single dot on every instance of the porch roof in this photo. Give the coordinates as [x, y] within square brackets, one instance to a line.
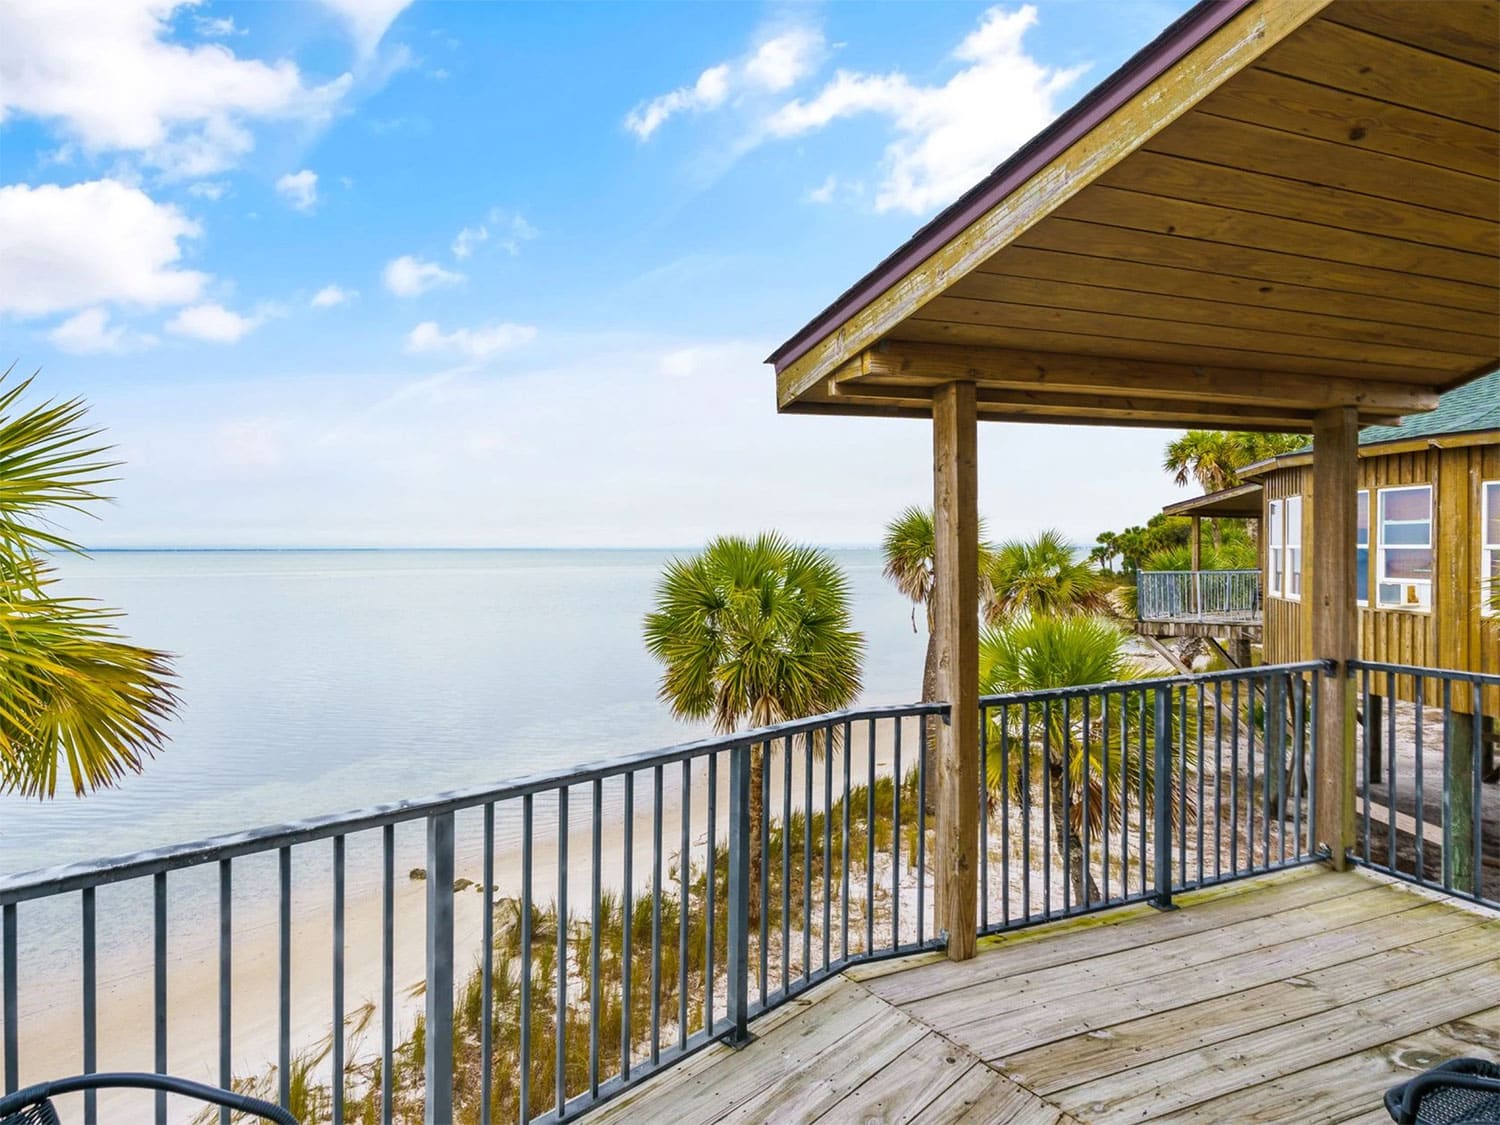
[1240, 502]
[1271, 209]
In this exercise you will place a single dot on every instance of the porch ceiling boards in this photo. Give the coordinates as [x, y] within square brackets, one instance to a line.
[1277, 207]
[1296, 997]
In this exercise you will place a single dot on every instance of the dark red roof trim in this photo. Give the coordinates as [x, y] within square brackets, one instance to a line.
[1189, 30]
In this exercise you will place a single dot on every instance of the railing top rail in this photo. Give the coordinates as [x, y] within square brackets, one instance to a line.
[1486, 679]
[1260, 671]
[63, 878]
[1230, 570]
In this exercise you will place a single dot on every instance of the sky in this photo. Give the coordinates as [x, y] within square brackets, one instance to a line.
[378, 273]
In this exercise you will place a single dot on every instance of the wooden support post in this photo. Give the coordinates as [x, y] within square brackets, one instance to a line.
[1335, 627]
[955, 495]
[1374, 735]
[1197, 565]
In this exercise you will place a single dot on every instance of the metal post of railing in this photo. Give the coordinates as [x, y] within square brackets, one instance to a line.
[438, 1069]
[738, 968]
[1162, 799]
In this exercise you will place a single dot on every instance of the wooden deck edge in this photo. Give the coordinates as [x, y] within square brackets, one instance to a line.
[1431, 894]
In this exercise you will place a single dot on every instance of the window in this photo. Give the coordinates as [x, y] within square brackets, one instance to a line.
[1489, 554]
[1294, 546]
[1362, 549]
[1404, 570]
[1274, 556]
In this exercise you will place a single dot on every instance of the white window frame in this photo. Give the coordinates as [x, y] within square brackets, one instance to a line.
[1275, 537]
[1369, 516]
[1381, 579]
[1489, 549]
[1292, 572]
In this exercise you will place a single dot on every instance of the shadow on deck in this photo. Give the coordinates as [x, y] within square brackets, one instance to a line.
[1297, 997]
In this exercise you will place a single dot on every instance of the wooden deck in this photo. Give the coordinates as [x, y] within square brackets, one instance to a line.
[1296, 997]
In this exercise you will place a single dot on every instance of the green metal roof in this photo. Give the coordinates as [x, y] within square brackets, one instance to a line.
[1474, 406]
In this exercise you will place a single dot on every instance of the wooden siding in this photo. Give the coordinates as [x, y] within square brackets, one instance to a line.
[1453, 634]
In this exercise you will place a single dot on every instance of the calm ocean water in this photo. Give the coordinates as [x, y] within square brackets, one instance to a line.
[316, 681]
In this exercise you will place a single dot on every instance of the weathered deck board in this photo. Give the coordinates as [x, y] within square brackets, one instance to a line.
[1298, 997]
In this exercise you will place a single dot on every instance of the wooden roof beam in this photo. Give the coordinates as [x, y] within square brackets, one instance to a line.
[893, 408]
[919, 363]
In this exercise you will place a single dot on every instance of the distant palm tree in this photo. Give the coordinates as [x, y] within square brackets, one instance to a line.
[754, 632]
[1042, 576]
[1034, 653]
[74, 697]
[1214, 458]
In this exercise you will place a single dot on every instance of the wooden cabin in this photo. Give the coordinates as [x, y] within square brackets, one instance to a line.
[1427, 564]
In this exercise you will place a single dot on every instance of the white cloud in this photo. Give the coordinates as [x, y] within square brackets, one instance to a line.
[468, 238]
[474, 343]
[407, 276]
[948, 136]
[824, 192]
[213, 323]
[331, 296]
[211, 27]
[777, 64]
[367, 20]
[90, 333]
[509, 229]
[208, 189]
[109, 75]
[300, 189]
[92, 243]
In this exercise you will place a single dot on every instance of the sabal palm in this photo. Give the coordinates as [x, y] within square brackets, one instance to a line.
[1214, 458]
[1042, 576]
[1087, 765]
[754, 632]
[75, 698]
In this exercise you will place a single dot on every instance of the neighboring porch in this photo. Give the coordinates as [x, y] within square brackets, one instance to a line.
[1300, 995]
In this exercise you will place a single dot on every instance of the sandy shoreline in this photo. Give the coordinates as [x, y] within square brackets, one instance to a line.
[50, 1012]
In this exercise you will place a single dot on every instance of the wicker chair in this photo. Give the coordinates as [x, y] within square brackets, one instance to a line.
[1458, 1092]
[33, 1105]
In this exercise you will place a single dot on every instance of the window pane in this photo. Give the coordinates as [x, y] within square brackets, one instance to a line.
[1408, 564]
[1400, 534]
[1275, 522]
[1362, 505]
[1406, 504]
[1492, 514]
[1362, 574]
[1294, 520]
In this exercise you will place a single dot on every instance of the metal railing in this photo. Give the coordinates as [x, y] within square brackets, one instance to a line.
[623, 915]
[651, 905]
[1113, 793]
[1195, 595]
[1427, 803]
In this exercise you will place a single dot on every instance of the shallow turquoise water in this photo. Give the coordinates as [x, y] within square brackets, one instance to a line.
[316, 681]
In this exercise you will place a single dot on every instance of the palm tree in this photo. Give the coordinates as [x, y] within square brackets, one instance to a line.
[1214, 458]
[74, 697]
[1086, 765]
[1042, 576]
[754, 631]
[910, 550]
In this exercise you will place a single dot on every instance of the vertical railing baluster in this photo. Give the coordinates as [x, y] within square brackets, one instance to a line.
[1218, 779]
[786, 866]
[807, 872]
[487, 970]
[284, 978]
[1180, 798]
[1005, 791]
[1476, 787]
[1419, 707]
[1368, 764]
[1299, 757]
[896, 838]
[1143, 802]
[1026, 809]
[870, 848]
[1250, 773]
[684, 904]
[1447, 695]
[387, 972]
[1201, 751]
[11, 1003]
[848, 752]
[1065, 811]
[1162, 799]
[737, 999]
[827, 843]
[1390, 795]
[159, 984]
[656, 982]
[984, 818]
[336, 1067]
[1085, 702]
[226, 994]
[767, 757]
[1234, 777]
[1046, 782]
[438, 1061]
[710, 888]
[921, 830]
[90, 1008]
[560, 1032]
[596, 931]
[528, 816]
[627, 928]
